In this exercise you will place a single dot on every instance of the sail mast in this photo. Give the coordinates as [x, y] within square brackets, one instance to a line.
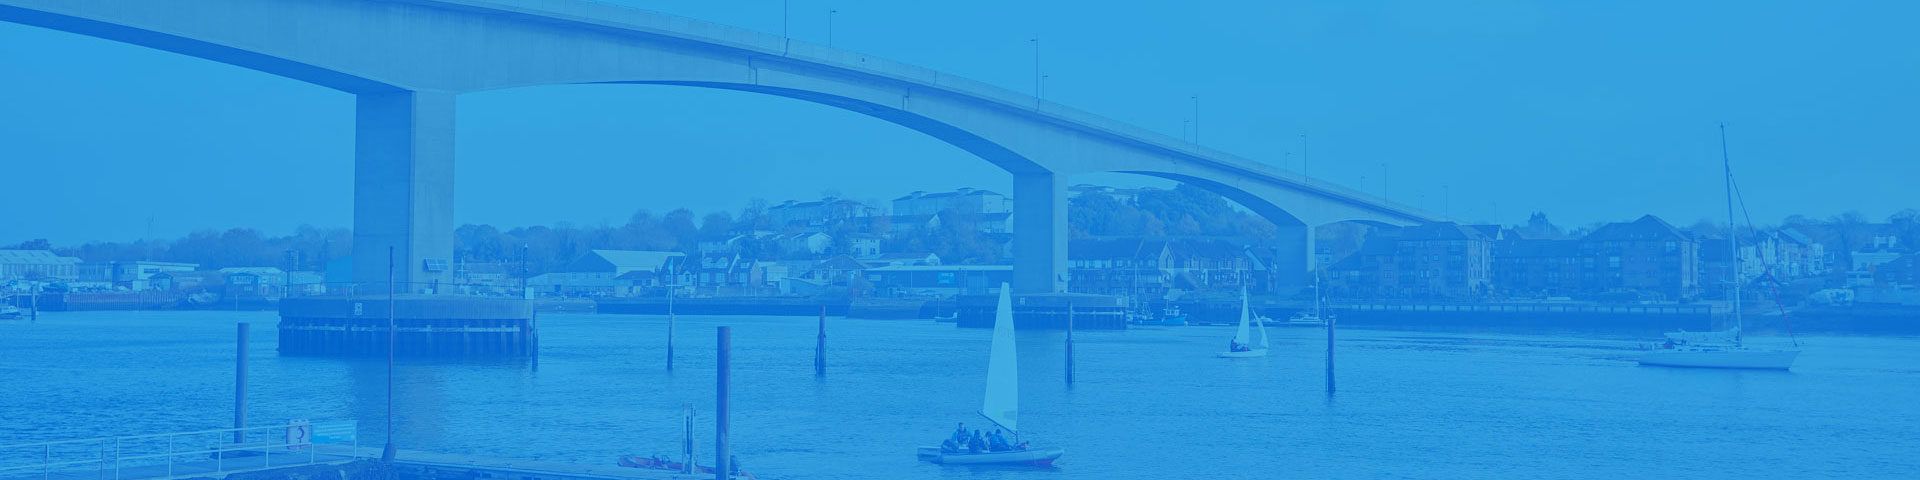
[1733, 235]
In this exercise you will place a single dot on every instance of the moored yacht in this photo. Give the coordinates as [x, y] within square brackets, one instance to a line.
[1726, 348]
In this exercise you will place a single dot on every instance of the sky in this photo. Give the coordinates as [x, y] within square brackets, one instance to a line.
[1485, 110]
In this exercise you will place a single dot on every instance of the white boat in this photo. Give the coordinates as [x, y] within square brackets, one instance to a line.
[1721, 349]
[1002, 402]
[8, 312]
[1726, 348]
[1305, 319]
[1243, 335]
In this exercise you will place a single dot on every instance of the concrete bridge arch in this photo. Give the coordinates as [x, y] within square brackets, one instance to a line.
[408, 60]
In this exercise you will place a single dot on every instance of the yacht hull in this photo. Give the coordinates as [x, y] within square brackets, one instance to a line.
[1037, 457]
[1258, 352]
[1736, 359]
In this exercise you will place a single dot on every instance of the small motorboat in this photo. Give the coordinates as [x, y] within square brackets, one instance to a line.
[1306, 319]
[948, 318]
[1037, 457]
[1170, 318]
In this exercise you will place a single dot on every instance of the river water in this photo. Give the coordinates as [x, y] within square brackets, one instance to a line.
[1146, 404]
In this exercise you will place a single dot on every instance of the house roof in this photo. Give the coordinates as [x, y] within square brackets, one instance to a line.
[1648, 227]
[1107, 249]
[964, 192]
[1374, 246]
[840, 262]
[254, 270]
[1443, 231]
[943, 268]
[637, 259]
[1209, 248]
[34, 257]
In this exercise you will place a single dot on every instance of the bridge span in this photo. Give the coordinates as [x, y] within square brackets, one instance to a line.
[407, 61]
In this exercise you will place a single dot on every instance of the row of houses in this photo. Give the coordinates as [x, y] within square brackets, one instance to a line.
[622, 273]
[73, 274]
[1647, 259]
[1161, 267]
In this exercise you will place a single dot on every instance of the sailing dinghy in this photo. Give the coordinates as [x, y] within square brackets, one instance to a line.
[1243, 335]
[1002, 404]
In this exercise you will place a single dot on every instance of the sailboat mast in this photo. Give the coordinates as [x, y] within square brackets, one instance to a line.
[1733, 236]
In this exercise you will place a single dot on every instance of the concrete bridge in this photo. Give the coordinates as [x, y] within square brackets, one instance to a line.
[408, 60]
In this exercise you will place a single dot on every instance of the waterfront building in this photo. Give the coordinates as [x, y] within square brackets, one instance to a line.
[37, 264]
[964, 200]
[187, 281]
[614, 273]
[938, 280]
[900, 259]
[1435, 260]
[137, 274]
[803, 244]
[1129, 196]
[1537, 268]
[1135, 267]
[812, 216]
[863, 245]
[730, 274]
[1883, 249]
[1647, 255]
[270, 275]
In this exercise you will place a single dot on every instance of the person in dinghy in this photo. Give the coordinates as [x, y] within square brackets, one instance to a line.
[1234, 346]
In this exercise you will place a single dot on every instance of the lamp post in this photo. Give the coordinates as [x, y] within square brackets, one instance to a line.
[830, 14]
[1036, 66]
[1196, 119]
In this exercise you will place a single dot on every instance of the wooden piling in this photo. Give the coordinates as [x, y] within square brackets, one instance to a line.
[820, 346]
[1329, 321]
[240, 384]
[722, 407]
[1069, 344]
[670, 322]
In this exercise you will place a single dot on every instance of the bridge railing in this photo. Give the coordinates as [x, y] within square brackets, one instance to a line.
[167, 455]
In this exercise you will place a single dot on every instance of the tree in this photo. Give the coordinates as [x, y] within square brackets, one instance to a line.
[716, 226]
[1849, 232]
[35, 244]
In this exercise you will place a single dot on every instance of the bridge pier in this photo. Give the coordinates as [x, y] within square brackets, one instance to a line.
[1293, 262]
[1039, 232]
[403, 189]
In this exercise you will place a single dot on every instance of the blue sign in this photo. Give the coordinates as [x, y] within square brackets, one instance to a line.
[338, 432]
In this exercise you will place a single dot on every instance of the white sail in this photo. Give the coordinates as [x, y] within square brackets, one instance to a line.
[1241, 336]
[1262, 326]
[1002, 404]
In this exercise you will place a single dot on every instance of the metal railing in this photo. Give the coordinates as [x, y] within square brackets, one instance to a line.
[181, 453]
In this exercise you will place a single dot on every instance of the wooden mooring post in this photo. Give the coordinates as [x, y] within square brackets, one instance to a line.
[670, 322]
[1069, 344]
[722, 406]
[240, 384]
[820, 346]
[1329, 321]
